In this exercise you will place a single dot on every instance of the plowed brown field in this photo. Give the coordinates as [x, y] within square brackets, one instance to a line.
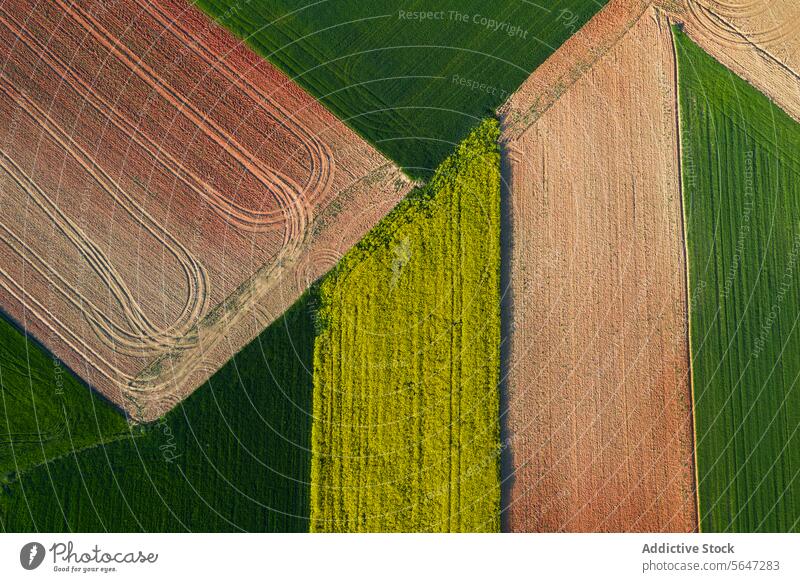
[577, 55]
[165, 193]
[598, 417]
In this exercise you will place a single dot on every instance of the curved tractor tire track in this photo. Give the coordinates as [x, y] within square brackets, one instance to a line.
[148, 340]
[143, 337]
[281, 186]
[720, 20]
[238, 216]
[320, 173]
[759, 41]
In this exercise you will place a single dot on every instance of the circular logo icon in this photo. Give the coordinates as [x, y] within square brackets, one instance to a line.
[31, 555]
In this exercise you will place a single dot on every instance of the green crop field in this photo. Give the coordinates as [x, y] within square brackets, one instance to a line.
[44, 411]
[234, 456]
[741, 174]
[406, 404]
[412, 84]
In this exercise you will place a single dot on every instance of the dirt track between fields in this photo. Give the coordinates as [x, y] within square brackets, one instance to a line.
[166, 192]
[598, 417]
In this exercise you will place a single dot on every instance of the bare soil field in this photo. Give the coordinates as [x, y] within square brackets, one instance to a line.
[759, 40]
[598, 401]
[575, 57]
[165, 192]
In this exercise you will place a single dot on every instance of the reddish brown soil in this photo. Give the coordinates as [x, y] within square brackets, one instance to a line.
[165, 192]
[598, 382]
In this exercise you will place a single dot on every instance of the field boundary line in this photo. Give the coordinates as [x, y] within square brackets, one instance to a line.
[74, 452]
[163, 380]
[685, 249]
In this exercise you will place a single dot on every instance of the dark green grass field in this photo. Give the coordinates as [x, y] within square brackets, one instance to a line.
[234, 456]
[741, 173]
[397, 78]
[406, 403]
[44, 411]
